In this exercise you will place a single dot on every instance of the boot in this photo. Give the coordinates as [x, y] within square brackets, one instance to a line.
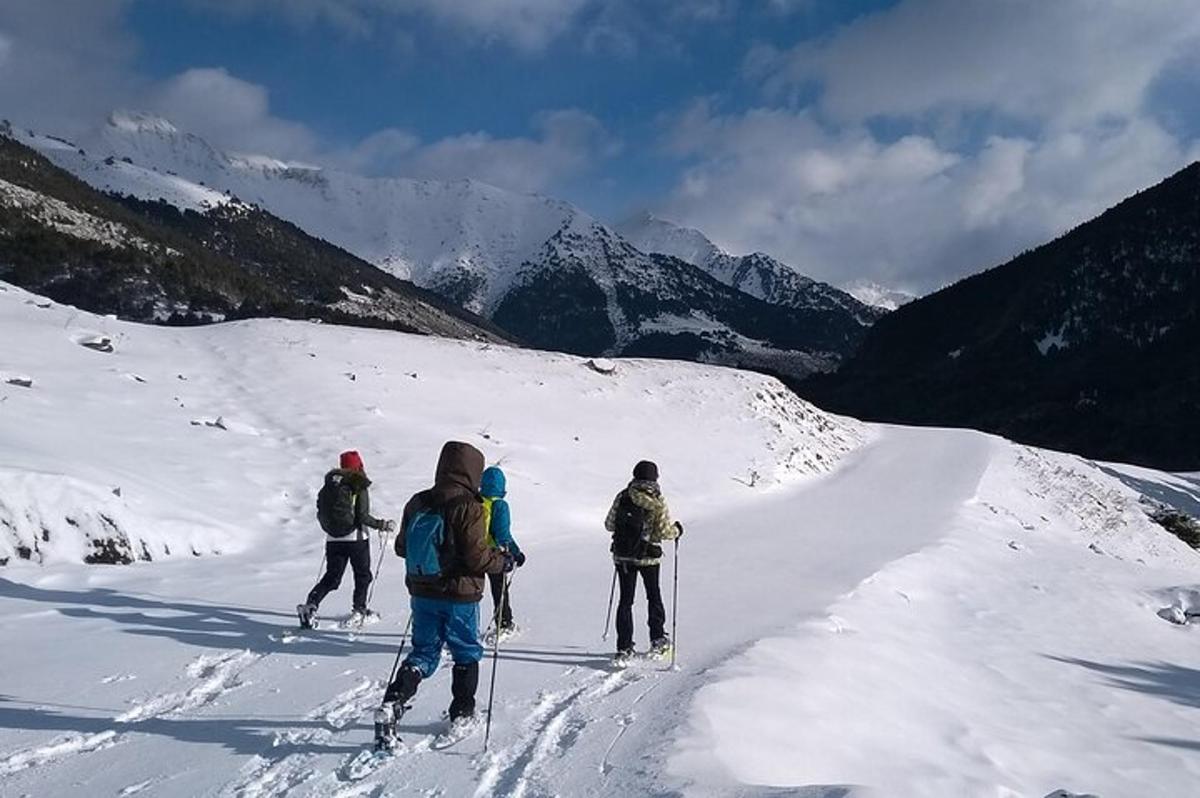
[401, 691]
[464, 681]
[307, 614]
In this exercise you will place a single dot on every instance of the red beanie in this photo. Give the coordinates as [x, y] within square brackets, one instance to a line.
[351, 461]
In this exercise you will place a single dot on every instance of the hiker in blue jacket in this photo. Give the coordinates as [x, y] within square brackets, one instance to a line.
[499, 536]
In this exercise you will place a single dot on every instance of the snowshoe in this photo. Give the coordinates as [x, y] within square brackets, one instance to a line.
[459, 730]
[506, 633]
[622, 658]
[307, 613]
[387, 716]
[360, 618]
[660, 648]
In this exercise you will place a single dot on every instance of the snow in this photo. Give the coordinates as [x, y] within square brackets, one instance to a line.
[914, 611]
[651, 234]
[1052, 340]
[1019, 653]
[63, 217]
[872, 293]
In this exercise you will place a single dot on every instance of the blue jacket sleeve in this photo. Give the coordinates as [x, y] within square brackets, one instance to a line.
[502, 526]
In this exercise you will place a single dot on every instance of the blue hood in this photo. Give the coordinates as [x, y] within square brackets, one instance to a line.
[492, 485]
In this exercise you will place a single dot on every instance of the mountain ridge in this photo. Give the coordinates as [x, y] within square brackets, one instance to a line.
[476, 245]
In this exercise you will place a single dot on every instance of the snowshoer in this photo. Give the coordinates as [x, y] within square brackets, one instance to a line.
[499, 536]
[443, 539]
[639, 522]
[344, 512]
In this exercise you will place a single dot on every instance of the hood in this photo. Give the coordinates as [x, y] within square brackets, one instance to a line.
[356, 479]
[459, 468]
[493, 484]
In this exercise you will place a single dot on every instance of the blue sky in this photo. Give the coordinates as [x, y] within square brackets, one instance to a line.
[904, 141]
[438, 80]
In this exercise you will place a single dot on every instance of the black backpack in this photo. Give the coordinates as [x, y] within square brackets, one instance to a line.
[335, 505]
[631, 538]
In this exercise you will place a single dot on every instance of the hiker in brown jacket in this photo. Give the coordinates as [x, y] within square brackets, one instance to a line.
[442, 539]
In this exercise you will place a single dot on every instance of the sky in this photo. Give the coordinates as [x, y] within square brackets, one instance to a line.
[909, 142]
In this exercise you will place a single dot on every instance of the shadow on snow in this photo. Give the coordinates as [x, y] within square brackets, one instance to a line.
[208, 626]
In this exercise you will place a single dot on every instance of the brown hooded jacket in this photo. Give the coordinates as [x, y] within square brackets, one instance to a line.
[455, 492]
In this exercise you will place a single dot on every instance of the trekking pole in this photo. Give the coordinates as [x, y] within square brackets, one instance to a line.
[399, 651]
[674, 604]
[612, 591]
[487, 730]
[378, 566]
[321, 568]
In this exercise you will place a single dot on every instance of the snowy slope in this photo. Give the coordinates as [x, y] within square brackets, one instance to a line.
[832, 574]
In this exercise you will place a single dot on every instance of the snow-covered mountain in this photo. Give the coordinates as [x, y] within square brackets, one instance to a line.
[916, 612]
[495, 252]
[464, 239]
[757, 274]
[872, 293]
[148, 261]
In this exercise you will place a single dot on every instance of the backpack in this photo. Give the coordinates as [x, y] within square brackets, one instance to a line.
[631, 538]
[489, 538]
[335, 506]
[428, 544]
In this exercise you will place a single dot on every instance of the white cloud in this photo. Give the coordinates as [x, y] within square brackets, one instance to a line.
[231, 113]
[1025, 118]
[567, 143]
[909, 213]
[1068, 60]
[66, 63]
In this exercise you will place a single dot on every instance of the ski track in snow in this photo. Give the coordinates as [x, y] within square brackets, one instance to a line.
[266, 778]
[63, 746]
[550, 731]
[349, 705]
[218, 674]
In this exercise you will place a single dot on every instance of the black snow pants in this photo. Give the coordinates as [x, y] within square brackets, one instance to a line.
[337, 553]
[627, 574]
[499, 594]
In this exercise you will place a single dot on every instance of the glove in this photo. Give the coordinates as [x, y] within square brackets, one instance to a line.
[509, 561]
[520, 558]
[389, 526]
[678, 530]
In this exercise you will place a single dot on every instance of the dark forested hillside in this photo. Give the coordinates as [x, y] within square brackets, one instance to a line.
[1090, 343]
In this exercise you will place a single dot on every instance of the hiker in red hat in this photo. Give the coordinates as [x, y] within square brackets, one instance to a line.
[344, 512]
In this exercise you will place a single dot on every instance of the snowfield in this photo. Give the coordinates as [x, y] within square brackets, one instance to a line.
[862, 609]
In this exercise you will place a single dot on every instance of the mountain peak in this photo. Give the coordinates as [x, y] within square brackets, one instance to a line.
[141, 122]
[879, 296]
[650, 233]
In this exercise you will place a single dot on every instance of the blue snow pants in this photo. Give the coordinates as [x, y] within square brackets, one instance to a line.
[437, 623]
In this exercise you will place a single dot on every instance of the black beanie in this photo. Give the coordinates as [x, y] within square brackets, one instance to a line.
[646, 470]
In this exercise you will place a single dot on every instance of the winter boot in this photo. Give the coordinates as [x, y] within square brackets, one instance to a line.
[464, 681]
[622, 657]
[660, 646]
[307, 613]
